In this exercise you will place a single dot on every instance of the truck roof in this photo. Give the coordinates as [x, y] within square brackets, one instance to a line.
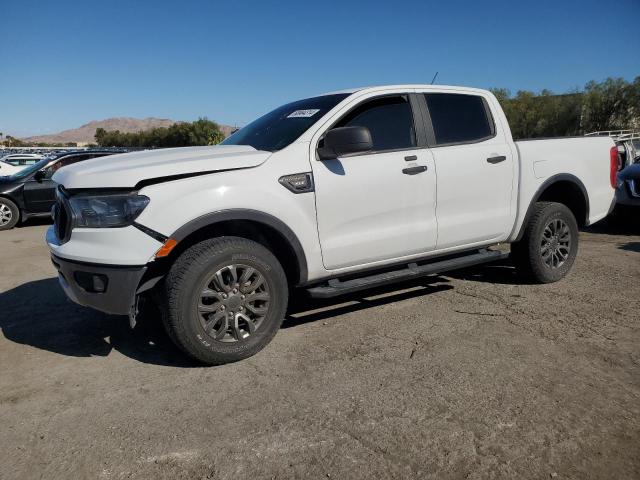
[408, 86]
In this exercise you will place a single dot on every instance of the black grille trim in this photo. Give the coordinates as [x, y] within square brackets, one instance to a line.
[62, 217]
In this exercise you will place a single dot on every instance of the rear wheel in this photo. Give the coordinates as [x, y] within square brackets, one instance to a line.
[549, 245]
[225, 299]
[9, 214]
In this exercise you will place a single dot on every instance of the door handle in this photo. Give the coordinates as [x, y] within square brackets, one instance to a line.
[414, 170]
[498, 159]
[411, 158]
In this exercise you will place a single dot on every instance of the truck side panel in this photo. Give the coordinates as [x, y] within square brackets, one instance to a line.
[585, 158]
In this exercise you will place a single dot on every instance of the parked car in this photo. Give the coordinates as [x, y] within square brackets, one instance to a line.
[333, 194]
[30, 192]
[628, 191]
[22, 159]
[7, 169]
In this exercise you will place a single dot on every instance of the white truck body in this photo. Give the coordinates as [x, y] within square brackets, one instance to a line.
[368, 216]
[335, 194]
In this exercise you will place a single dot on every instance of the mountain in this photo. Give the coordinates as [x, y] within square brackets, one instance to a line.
[85, 133]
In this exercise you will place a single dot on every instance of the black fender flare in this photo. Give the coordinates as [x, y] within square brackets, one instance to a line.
[561, 177]
[254, 216]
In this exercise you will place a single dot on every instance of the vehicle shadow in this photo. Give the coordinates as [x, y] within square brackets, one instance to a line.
[630, 246]
[304, 309]
[617, 225]
[38, 314]
[501, 273]
[35, 221]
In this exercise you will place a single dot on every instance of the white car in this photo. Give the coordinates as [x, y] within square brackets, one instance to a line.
[334, 194]
[7, 169]
[15, 162]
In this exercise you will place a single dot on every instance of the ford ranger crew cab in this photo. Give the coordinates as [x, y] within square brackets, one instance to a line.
[334, 194]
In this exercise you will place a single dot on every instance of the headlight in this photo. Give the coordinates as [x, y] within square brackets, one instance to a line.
[106, 210]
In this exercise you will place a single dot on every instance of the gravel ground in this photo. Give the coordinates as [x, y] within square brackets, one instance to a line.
[472, 375]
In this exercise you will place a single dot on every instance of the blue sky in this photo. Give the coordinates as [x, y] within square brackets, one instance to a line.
[64, 62]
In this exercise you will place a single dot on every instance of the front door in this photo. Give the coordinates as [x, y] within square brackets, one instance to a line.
[379, 205]
[40, 195]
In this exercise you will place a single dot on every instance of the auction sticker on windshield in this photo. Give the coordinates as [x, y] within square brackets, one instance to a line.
[303, 113]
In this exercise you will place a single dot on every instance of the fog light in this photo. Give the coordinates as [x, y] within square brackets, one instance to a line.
[99, 283]
[91, 282]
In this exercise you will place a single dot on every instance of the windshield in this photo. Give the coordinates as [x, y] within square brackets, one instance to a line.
[282, 126]
[28, 170]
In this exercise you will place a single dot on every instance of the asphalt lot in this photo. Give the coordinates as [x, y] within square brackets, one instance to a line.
[465, 376]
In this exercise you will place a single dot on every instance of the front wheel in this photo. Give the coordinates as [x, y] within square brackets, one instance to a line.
[225, 299]
[549, 246]
[9, 214]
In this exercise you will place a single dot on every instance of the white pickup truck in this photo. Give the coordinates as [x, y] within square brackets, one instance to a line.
[334, 194]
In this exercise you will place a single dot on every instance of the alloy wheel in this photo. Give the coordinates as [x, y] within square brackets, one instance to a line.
[233, 303]
[555, 245]
[5, 214]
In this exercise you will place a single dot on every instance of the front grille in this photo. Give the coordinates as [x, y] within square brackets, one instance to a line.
[62, 217]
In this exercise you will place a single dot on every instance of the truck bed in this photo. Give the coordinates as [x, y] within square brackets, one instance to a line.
[585, 158]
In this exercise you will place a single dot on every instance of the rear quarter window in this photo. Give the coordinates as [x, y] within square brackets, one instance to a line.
[459, 118]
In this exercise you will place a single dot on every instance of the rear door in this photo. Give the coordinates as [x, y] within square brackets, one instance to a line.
[475, 169]
[378, 205]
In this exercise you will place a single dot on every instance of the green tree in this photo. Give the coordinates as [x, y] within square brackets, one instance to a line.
[15, 142]
[609, 105]
[200, 132]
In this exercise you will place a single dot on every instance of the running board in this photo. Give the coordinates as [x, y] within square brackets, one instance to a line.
[335, 287]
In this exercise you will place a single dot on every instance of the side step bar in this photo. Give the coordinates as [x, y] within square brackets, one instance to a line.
[335, 287]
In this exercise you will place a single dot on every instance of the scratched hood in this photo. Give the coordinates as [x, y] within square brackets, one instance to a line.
[128, 169]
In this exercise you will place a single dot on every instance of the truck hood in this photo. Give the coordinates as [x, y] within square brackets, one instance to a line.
[126, 170]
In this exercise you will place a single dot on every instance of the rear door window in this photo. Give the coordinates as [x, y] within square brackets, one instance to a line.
[459, 118]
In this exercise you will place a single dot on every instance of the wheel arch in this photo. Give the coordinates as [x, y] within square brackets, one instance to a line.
[254, 225]
[563, 188]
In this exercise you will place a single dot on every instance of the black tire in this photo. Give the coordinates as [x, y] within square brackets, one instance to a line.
[193, 276]
[531, 255]
[9, 214]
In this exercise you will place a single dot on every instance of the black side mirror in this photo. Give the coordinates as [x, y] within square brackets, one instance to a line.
[345, 140]
[39, 176]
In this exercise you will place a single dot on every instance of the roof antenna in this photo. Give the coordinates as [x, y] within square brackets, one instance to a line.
[434, 78]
